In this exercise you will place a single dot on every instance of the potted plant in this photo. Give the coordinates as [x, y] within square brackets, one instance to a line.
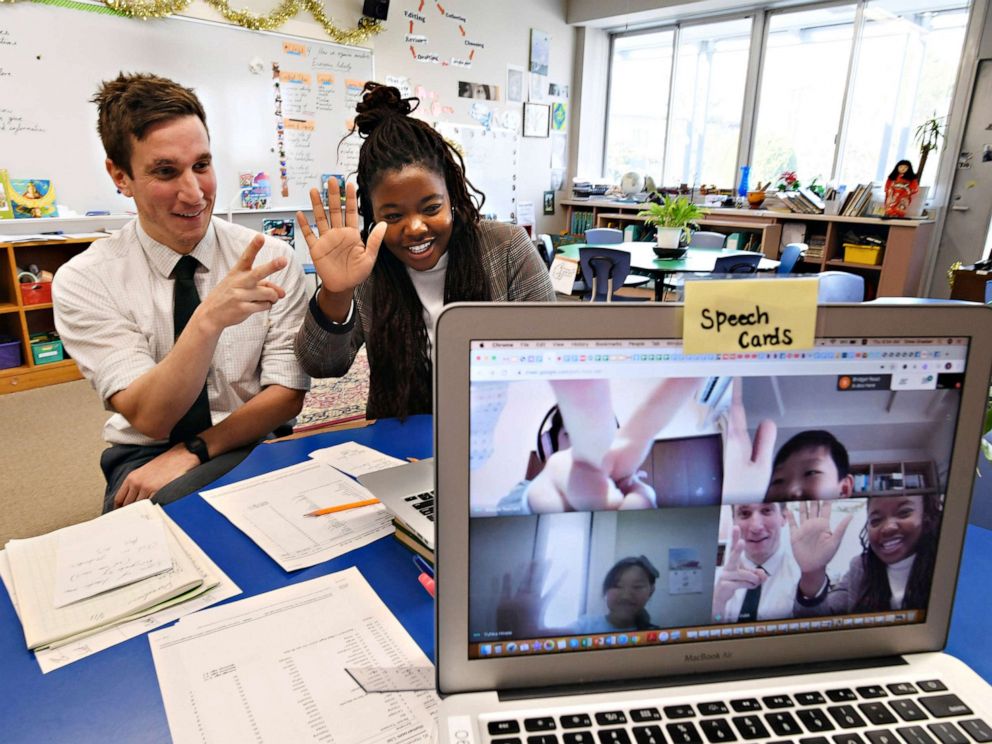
[671, 217]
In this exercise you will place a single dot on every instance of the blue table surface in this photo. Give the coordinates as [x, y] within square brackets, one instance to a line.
[113, 696]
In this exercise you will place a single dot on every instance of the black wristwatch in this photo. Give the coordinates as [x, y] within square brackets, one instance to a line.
[199, 448]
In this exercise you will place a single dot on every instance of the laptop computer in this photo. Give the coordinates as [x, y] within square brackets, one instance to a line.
[407, 491]
[584, 599]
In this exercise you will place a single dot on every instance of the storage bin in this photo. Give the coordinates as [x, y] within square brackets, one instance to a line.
[46, 350]
[36, 293]
[870, 255]
[10, 352]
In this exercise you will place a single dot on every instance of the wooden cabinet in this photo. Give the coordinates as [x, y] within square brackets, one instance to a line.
[18, 321]
[899, 272]
[895, 478]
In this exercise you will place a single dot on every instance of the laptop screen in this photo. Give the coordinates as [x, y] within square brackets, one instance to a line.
[625, 494]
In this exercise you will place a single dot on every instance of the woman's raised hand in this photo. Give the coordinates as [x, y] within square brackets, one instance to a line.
[340, 257]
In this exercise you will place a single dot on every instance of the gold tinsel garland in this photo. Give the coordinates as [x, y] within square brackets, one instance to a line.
[145, 9]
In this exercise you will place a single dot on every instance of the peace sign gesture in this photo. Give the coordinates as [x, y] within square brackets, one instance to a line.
[340, 257]
[735, 575]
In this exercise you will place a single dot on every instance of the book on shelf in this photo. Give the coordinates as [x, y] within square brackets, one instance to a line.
[858, 201]
[407, 536]
[32, 197]
[6, 208]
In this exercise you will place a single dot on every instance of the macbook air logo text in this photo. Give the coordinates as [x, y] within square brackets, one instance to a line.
[708, 657]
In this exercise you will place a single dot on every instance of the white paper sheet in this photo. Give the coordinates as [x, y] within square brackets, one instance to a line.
[270, 509]
[119, 548]
[271, 668]
[56, 658]
[32, 568]
[355, 459]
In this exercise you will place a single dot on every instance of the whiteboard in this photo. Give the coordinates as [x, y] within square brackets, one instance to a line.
[490, 164]
[52, 60]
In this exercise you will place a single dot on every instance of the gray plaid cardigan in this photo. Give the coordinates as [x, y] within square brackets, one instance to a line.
[515, 272]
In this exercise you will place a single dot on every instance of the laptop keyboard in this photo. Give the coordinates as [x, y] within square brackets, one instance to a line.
[423, 502]
[898, 713]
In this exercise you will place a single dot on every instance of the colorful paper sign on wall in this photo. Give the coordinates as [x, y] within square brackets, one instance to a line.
[749, 315]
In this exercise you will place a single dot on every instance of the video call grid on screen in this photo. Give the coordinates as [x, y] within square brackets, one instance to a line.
[711, 489]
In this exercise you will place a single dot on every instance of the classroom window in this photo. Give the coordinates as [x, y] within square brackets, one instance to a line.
[802, 93]
[635, 130]
[904, 72]
[706, 102]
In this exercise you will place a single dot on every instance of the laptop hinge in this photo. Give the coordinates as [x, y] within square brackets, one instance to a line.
[682, 680]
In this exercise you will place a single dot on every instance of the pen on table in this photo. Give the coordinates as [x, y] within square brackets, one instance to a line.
[423, 565]
[341, 507]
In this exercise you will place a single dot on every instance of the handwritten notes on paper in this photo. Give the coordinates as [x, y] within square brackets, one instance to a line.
[270, 509]
[563, 271]
[753, 315]
[127, 545]
[355, 459]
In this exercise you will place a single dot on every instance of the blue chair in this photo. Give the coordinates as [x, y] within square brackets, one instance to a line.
[604, 271]
[704, 239]
[604, 236]
[988, 292]
[790, 257]
[741, 263]
[545, 248]
[840, 286]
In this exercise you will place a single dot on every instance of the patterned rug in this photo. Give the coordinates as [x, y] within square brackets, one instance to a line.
[337, 400]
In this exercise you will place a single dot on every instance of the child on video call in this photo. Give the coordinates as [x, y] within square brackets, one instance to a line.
[894, 569]
[627, 588]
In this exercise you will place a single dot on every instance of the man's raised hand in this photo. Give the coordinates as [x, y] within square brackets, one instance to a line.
[244, 291]
[339, 256]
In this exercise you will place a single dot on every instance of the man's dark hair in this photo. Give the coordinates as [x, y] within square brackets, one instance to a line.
[129, 105]
[812, 439]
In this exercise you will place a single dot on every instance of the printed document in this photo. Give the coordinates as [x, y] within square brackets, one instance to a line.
[355, 459]
[271, 510]
[271, 668]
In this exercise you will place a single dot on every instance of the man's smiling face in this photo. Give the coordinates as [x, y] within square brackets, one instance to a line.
[172, 182]
[761, 529]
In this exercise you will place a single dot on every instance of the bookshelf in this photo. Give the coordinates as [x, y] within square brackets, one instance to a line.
[18, 320]
[895, 478]
[899, 272]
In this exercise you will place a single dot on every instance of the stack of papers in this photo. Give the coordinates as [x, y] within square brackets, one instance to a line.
[85, 579]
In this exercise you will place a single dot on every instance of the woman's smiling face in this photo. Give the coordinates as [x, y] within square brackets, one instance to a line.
[895, 524]
[414, 204]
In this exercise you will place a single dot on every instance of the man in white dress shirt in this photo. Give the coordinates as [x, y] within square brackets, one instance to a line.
[759, 578]
[183, 323]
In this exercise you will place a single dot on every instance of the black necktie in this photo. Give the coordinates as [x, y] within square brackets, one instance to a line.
[185, 300]
[749, 608]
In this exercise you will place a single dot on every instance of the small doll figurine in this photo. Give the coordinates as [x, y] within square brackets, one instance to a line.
[900, 187]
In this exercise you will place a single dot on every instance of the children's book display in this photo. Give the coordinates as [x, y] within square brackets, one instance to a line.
[26, 197]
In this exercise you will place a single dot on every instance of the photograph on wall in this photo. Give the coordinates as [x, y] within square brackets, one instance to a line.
[537, 118]
[478, 91]
[540, 51]
[557, 90]
[549, 202]
[514, 84]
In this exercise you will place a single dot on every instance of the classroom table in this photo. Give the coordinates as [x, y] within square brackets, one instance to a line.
[644, 261]
[113, 696]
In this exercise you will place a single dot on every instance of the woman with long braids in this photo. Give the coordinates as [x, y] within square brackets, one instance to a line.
[414, 201]
[894, 569]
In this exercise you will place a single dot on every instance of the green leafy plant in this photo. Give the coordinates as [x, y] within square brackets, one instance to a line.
[928, 135]
[673, 212]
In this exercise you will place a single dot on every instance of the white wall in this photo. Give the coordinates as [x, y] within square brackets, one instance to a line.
[503, 27]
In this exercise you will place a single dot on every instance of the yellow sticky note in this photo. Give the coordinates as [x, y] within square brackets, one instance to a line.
[749, 315]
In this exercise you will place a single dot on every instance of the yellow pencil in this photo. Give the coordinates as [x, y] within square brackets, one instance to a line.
[341, 507]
